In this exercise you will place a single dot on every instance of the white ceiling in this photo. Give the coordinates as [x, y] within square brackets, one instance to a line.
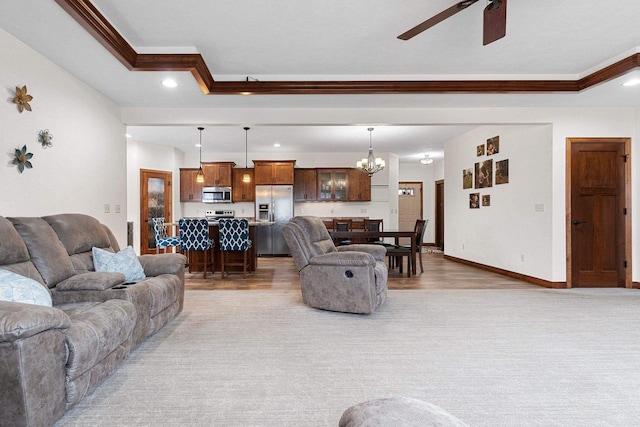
[336, 40]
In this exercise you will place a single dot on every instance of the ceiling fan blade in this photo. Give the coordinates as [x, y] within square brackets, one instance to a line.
[495, 21]
[436, 19]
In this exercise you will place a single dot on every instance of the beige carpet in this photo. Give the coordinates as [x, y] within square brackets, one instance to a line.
[491, 357]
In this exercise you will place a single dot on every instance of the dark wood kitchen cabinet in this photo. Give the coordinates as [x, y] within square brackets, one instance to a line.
[190, 190]
[218, 174]
[332, 185]
[305, 185]
[243, 191]
[359, 186]
[268, 172]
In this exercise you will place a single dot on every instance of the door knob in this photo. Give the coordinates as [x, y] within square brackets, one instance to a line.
[576, 222]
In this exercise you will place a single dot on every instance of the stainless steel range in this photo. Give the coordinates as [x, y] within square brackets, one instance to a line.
[213, 215]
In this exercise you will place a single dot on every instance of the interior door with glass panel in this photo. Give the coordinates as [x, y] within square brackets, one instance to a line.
[155, 202]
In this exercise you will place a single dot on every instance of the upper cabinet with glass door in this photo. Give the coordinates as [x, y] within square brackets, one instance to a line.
[332, 184]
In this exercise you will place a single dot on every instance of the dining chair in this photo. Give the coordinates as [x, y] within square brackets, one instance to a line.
[373, 225]
[398, 251]
[345, 224]
[233, 237]
[194, 236]
[162, 239]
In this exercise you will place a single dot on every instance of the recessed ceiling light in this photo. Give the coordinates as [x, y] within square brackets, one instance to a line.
[169, 83]
[127, 135]
[198, 145]
[276, 145]
[632, 82]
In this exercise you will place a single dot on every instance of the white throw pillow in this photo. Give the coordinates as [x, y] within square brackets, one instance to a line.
[125, 262]
[17, 288]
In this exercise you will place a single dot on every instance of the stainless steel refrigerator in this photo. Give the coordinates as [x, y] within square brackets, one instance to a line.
[274, 203]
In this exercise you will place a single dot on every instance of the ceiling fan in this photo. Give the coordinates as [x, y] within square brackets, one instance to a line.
[495, 20]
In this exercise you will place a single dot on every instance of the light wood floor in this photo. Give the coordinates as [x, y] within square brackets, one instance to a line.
[281, 273]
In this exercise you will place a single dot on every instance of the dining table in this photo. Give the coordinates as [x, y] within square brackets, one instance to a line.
[362, 235]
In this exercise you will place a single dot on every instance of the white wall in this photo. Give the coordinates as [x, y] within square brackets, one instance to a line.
[85, 168]
[509, 234]
[143, 155]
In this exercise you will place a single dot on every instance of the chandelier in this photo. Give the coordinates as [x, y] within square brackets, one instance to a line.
[426, 160]
[370, 164]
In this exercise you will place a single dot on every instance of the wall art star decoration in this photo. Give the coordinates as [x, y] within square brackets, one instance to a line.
[45, 138]
[22, 99]
[22, 159]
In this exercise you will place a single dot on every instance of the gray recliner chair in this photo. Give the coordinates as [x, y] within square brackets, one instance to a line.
[350, 279]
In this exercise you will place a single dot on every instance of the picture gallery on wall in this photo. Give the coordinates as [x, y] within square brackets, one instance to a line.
[483, 175]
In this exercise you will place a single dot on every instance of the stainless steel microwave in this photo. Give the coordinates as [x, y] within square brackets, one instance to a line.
[216, 194]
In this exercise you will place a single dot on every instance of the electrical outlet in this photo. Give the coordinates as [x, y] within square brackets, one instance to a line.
[463, 246]
[522, 257]
[363, 210]
[117, 208]
[242, 210]
[107, 208]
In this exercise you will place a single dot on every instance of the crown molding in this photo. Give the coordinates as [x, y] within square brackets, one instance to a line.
[88, 16]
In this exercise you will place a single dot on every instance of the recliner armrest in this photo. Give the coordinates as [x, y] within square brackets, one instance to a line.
[343, 258]
[18, 321]
[155, 265]
[92, 281]
[378, 252]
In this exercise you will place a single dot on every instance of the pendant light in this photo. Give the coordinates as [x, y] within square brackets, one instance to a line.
[200, 174]
[371, 164]
[245, 176]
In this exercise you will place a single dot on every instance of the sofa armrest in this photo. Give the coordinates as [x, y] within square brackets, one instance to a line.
[18, 321]
[378, 252]
[343, 259]
[92, 281]
[155, 265]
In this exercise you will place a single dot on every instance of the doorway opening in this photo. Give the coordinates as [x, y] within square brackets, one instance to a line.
[155, 201]
[598, 220]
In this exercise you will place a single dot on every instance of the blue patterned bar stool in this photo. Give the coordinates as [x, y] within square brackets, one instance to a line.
[234, 236]
[162, 240]
[194, 236]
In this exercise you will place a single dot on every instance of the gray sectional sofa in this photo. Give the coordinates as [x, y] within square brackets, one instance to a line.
[51, 357]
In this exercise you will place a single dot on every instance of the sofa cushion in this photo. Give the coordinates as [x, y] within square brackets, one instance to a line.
[163, 291]
[12, 247]
[17, 288]
[315, 231]
[97, 329]
[79, 233]
[45, 249]
[125, 262]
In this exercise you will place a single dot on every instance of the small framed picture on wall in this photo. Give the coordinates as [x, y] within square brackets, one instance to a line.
[493, 146]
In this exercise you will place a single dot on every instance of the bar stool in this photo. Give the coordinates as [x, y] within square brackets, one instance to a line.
[194, 236]
[234, 236]
[162, 240]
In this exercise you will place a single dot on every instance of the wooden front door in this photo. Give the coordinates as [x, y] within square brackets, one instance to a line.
[439, 222]
[409, 207]
[155, 202]
[598, 220]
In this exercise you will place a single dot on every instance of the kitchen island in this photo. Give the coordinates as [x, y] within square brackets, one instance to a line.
[196, 258]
